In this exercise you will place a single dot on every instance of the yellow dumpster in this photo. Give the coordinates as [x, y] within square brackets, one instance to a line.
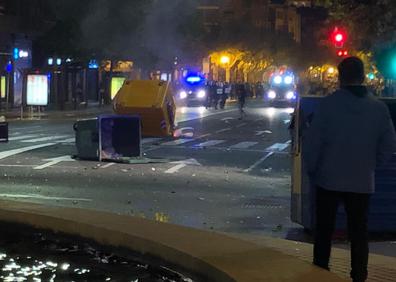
[153, 101]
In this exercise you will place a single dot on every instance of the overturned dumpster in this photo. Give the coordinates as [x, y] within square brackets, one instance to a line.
[152, 101]
[108, 138]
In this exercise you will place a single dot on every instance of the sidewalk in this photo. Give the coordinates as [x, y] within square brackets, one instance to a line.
[381, 268]
[90, 111]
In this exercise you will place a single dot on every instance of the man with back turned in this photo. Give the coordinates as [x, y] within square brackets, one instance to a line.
[350, 135]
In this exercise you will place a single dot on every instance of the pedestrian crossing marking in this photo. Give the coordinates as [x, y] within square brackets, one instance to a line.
[210, 143]
[43, 139]
[69, 140]
[23, 137]
[243, 145]
[6, 154]
[277, 147]
[177, 142]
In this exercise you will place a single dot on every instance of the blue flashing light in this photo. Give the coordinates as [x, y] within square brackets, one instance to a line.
[371, 76]
[93, 64]
[194, 79]
[16, 53]
[9, 67]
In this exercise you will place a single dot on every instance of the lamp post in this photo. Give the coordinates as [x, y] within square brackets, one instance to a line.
[225, 61]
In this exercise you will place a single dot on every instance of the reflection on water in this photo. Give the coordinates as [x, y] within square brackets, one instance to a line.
[36, 257]
[161, 217]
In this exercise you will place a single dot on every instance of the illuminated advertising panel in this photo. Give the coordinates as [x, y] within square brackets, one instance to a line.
[116, 84]
[3, 87]
[37, 90]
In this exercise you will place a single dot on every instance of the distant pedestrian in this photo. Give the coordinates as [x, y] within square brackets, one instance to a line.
[241, 96]
[219, 94]
[350, 134]
[226, 94]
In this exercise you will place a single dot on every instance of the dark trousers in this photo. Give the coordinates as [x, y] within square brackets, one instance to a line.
[356, 207]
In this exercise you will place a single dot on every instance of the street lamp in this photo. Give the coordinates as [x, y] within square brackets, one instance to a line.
[225, 60]
[331, 70]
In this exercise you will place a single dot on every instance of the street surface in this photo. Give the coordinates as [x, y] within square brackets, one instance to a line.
[223, 174]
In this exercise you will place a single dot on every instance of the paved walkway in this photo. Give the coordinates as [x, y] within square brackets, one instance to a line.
[381, 268]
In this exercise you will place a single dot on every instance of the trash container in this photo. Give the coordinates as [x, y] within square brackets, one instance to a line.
[108, 137]
[3, 131]
[382, 217]
[87, 139]
[119, 137]
[152, 101]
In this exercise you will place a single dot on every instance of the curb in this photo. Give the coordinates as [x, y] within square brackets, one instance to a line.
[212, 256]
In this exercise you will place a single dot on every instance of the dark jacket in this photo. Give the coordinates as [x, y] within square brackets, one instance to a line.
[351, 133]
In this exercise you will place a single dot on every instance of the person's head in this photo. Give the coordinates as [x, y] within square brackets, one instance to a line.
[351, 71]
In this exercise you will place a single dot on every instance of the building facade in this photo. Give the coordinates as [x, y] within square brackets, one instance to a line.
[20, 22]
[288, 16]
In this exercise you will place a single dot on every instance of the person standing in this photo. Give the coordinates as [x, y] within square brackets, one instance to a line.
[241, 95]
[219, 94]
[226, 95]
[351, 133]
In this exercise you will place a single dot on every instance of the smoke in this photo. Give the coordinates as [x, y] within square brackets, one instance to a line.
[150, 32]
[163, 28]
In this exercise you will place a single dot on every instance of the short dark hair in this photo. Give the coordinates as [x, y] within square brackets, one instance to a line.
[351, 71]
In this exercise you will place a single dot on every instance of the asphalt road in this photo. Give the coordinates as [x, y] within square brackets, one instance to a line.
[224, 174]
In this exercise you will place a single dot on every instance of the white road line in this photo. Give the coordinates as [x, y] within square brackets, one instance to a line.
[23, 137]
[205, 135]
[40, 197]
[70, 140]
[204, 116]
[177, 142]
[259, 133]
[288, 142]
[54, 161]
[7, 165]
[240, 125]
[6, 154]
[15, 133]
[175, 169]
[43, 139]
[149, 140]
[277, 147]
[223, 130]
[243, 145]
[210, 143]
[227, 119]
[26, 128]
[107, 165]
[260, 161]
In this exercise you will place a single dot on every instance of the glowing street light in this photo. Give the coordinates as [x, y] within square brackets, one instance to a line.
[225, 60]
[331, 70]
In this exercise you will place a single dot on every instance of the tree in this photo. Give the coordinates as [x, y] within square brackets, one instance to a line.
[370, 23]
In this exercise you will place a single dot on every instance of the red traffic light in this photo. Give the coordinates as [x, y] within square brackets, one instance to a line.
[342, 53]
[338, 37]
